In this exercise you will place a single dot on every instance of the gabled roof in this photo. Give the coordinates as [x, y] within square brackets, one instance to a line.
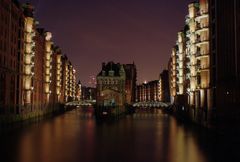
[110, 66]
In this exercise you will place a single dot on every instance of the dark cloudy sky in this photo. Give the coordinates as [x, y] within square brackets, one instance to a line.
[94, 31]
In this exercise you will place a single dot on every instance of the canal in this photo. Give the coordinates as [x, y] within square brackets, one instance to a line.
[146, 136]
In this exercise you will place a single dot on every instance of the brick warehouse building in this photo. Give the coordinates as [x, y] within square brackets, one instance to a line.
[204, 65]
[11, 51]
[34, 75]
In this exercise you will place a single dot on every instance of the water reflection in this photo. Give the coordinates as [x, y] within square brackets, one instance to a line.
[148, 136]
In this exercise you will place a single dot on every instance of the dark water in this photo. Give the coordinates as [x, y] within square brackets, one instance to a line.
[147, 136]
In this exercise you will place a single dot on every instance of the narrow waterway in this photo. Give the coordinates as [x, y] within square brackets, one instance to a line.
[146, 136]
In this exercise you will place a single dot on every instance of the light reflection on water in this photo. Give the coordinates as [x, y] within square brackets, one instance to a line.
[76, 136]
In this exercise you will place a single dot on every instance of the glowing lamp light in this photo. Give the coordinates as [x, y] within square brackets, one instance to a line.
[27, 70]
[47, 57]
[29, 24]
[27, 59]
[28, 48]
[27, 84]
[28, 38]
[48, 36]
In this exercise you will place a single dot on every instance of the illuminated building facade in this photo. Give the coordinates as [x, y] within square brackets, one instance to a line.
[203, 94]
[111, 83]
[58, 74]
[210, 62]
[120, 73]
[70, 81]
[68, 86]
[74, 83]
[148, 91]
[53, 99]
[172, 75]
[190, 61]
[48, 66]
[198, 91]
[28, 57]
[180, 57]
[79, 91]
[31, 70]
[192, 52]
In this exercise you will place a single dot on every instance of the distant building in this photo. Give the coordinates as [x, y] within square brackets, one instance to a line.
[88, 93]
[68, 80]
[164, 91]
[172, 76]
[79, 91]
[131, 82]
[156, 90]
[148, 91]
[111, 83]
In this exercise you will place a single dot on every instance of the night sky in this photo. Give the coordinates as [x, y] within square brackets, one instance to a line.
[90, 32]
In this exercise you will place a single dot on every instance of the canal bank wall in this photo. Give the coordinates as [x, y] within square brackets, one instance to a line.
[48, 110]
[205, 119]
[192, 116]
